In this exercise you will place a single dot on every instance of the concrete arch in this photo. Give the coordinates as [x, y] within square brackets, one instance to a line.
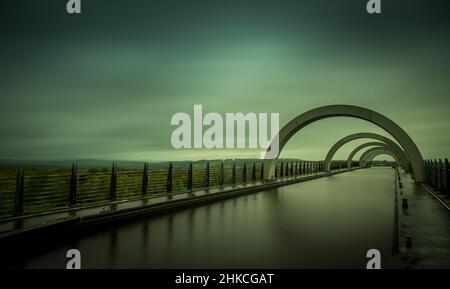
[323, 112]
[376, 153]
[398, 150]
[403, 161]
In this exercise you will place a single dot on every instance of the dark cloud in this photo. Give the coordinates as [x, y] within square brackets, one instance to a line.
[105, 83]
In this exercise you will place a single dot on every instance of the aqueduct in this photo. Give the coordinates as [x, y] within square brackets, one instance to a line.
[396, 148]
[372, 152]
[311, 116]
[364, 145]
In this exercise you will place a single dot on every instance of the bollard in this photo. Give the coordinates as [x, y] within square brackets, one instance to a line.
[405, 203]
[408, 241]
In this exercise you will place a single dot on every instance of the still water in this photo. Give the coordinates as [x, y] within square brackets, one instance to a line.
[325, 223]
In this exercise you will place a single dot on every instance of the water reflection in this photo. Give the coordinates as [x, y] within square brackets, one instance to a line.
[325, 223]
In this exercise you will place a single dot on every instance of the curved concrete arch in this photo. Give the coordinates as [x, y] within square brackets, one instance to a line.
[373, 151]
[379, 153]
[376, 153]
[323, 112]
[403, 161]
[396, 148]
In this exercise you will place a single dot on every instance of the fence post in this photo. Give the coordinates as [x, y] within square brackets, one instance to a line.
[144, 190]
[281, 170]
[207, 175]
[430, 173]
[221, 181]
[435, 171]
[262, 171]
[73, 185]
[169, 186]
[244, 173]
[287, 169]
[447, 177]
[113, 183]
[292, 168]
[254, 172]
[233, 173]
[189, 181]
[441, 179]
[18, 200]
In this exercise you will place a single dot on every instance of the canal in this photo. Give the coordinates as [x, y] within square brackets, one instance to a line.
[329, 222]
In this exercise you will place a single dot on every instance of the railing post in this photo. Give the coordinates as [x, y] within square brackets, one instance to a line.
[440, 174]
[73, 185]
[144, 190]
[262, 171]
[287, 169]
[430, 173]
[281, 170]
[113, 183]
[244, 173]
[189, 180]
[18, 200]
[254, 172]
[221, 174]
[207, 175]
[292, 168]
[447, 177]
[435, 174]
[169, 187]
[233, 173]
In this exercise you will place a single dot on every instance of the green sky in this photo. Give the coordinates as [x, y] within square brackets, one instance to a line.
[105, 84]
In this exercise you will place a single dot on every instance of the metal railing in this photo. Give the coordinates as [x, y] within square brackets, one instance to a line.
[31, 194]
[437, 175]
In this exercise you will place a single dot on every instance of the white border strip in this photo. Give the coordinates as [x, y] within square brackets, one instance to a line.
[434, 195]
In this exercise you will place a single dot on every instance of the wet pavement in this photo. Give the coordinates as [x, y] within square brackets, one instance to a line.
[426, 222]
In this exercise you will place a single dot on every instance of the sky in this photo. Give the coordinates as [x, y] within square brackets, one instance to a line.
[104, 84]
